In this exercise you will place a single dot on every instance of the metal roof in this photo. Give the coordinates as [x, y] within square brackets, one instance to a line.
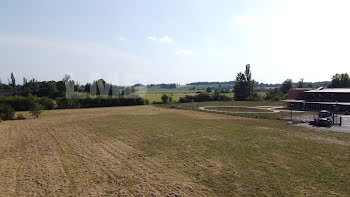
[301, 89]
[292, 101]
[330, 90]
[311, 102]
[329, 103]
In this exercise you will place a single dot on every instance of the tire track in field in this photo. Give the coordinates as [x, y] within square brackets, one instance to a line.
[112, 167]
[30, 166]
[8, 165]
[56, 156]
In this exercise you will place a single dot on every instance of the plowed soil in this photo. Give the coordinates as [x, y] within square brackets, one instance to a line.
[149, 151]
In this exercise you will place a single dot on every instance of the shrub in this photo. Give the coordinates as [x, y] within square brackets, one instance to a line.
[20, 117]
[218, 96]
[186, 99]
[6, 112]
[36, 110]
[146, 101]
[255, 97]
[275, 95]
[47, 103]
[202, 97]
[165, 98]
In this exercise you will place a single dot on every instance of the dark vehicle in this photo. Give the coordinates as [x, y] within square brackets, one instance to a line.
[324, 114]
[323, 119]
[321, 122]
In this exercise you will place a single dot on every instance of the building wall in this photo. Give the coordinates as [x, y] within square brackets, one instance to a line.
[6, 93]
[296, 94]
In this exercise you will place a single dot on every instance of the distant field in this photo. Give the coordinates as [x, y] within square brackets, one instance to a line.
[157, 96]
[187, 87]
[176, 96]
[150, 151]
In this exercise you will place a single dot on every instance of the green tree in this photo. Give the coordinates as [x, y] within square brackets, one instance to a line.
[13, 81]
[340, 81]
[52, 89]
[36, 110]
[301, 83]
[6, 112]
[25, 81]
[286, 85]
[66, 78]
[165, 98]
[244, 84]
[241, 88]
[248, 76]
[209, 89]
[202, 97]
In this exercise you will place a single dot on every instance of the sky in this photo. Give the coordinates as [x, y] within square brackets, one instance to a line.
[174, 41]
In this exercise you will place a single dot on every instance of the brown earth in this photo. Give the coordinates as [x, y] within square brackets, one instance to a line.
[55, 156]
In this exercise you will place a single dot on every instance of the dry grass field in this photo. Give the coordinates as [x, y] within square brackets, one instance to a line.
[150, 151]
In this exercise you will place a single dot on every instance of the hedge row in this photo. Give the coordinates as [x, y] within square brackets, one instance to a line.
[203, 97]
[64, 103]
[20, 103]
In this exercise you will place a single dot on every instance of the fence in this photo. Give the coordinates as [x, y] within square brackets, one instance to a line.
[281, 115]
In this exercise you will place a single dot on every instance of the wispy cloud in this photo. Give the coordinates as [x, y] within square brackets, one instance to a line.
[121, 38]
[183, 52]
[162, 39]
[152, 38]
[166, 39]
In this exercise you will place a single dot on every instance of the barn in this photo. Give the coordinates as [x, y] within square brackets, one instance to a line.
[332, 99]
[6, 93]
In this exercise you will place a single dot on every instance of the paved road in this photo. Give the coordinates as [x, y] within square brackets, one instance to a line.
[343, 129]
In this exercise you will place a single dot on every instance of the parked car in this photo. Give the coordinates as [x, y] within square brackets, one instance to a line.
[324, 114]
[321, 122]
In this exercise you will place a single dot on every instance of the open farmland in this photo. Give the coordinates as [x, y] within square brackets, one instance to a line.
[145, 151]
[157, 96]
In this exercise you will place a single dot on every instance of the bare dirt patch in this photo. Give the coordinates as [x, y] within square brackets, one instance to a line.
[55, 156]
[150, 151]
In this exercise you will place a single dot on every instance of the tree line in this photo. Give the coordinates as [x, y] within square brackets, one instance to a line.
[36, 96]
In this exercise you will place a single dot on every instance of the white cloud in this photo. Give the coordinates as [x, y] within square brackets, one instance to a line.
[166, 39]
[152, 38]
[183, 52]
[121, 38]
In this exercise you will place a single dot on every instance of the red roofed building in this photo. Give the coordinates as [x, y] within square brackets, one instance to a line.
[332, 99]
[6, 93]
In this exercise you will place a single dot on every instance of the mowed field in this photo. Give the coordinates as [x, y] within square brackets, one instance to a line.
[150, 151]
[157, 97]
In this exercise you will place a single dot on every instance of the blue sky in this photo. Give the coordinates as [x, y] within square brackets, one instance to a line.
[180, 41]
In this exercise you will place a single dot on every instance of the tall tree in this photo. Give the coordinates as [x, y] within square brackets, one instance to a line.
[301, 83]
[25, 81]
[13, 81]
[241, 88]
[248, 76]
[244, 84]
[340, 81]
[66, 78]
[286, 85]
